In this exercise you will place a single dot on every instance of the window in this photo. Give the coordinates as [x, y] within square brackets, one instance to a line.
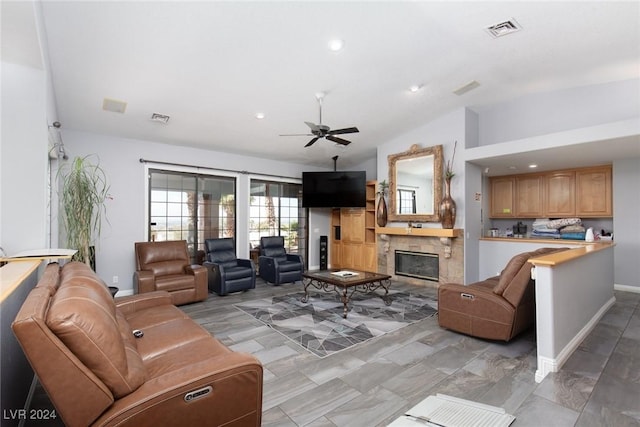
[407, 201]
[191, 207]
[276, 210]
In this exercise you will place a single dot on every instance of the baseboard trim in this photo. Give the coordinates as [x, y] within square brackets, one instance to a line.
[547, 364]
[627, 288]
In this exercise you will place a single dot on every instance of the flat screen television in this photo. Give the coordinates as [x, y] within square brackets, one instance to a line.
[337, 189]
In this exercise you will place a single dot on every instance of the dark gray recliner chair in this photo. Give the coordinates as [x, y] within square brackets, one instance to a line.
[227, 273]
[276, 265]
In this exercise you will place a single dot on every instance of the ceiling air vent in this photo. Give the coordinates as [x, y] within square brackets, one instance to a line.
[114, 105]
[504, 28]
[161, 118]
[466, 88]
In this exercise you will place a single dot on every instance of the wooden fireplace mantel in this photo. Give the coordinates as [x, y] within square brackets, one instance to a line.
[420, 232]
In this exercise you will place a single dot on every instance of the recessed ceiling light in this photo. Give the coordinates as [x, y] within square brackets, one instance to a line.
[533, 166]
[259, 116]
[415, 88]
[336, 45]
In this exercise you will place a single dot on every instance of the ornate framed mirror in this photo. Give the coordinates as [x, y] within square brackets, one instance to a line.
[415, 184]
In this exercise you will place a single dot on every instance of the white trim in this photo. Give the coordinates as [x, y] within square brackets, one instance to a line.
[546, 364]
[124, 292]
[627, 288]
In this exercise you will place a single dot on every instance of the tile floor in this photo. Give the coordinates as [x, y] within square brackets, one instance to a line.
[374, 382]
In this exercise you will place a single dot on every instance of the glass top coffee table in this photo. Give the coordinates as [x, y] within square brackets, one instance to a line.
[345, 283]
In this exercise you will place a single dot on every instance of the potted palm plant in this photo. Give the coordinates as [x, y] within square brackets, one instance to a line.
[84, 192]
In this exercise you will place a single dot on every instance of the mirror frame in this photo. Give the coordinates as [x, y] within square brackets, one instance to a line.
[416, 152]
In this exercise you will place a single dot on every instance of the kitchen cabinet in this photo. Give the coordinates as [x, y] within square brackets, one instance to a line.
[529, 196]
[502, 197]
[580, 192]
[593, 192]
[560, 194]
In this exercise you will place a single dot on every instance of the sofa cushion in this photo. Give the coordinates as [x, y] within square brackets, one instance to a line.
[83, 316]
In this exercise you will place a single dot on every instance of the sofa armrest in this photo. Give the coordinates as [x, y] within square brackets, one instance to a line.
[235, 396]
[144, 281]
[132, 303]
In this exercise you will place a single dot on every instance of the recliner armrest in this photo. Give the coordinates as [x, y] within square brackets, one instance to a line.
[235, 395]
[294, 257]
[132, 303]
[246, 263]
[474, 301]
[144, 281]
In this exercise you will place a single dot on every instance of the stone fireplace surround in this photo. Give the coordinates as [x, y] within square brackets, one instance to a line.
[451, 266]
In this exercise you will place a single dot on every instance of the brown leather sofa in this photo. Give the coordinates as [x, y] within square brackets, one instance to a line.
[498, 308]
[165, 266]
[99, 372]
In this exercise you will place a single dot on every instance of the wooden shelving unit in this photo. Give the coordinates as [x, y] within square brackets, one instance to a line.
[353, 240]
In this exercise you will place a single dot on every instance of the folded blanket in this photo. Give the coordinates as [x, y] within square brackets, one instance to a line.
[572, 229]
[548, 234]
[573, 236]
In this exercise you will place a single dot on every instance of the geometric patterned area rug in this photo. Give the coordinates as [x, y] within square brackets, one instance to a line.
[318, 326]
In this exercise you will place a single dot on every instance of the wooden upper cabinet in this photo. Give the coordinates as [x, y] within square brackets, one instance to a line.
[503, 197]
[593, 192]
[529, 196]
[583, 192]
[560, 194]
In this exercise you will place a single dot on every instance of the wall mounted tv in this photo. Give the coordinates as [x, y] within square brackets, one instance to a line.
[337, 189]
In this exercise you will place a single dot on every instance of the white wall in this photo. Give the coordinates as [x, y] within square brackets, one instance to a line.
[626, 208]
[23, 159]
[550, 112]
[126, 211]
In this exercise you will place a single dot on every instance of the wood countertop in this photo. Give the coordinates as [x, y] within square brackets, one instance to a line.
[571, 254]
[537, 240]
[13, 274]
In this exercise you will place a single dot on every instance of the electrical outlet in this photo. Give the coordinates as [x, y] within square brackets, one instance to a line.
[115, 279]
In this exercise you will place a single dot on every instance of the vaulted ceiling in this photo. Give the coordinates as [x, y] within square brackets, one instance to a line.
[213, 66]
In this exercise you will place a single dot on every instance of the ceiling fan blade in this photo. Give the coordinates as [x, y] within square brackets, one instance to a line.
[341, 131]
[338, 140]
[296, 134]
[310, 143]
[313, 126]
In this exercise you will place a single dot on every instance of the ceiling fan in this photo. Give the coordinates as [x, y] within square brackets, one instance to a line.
[319, 130]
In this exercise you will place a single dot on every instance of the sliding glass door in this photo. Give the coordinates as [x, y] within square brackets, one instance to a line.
[191, 207]
[275, 209]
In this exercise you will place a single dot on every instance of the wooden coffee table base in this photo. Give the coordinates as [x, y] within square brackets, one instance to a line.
[346, 288]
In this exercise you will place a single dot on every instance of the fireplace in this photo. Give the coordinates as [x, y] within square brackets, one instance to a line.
[421, 265]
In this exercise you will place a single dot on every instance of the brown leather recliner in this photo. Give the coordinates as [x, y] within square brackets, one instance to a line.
[165, 266]
[498, 308]
[98, 371]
